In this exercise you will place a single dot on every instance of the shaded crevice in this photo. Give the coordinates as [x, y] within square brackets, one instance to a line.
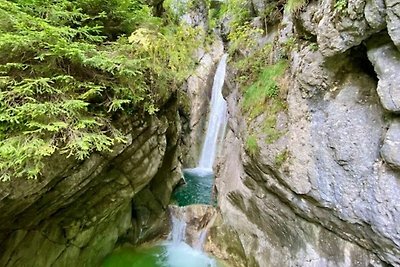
[359, 59]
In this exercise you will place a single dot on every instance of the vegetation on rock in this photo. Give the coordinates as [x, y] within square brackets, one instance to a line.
[252, 145]
[70, 69]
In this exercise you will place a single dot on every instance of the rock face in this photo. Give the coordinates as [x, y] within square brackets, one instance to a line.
[391, 146]
[327, 191]
[77, 211]
[386, 60]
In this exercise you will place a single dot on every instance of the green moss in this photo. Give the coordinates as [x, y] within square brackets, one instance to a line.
[294, 6]
[281, 158]
[340, 5]
[252, 145]
[264, 88]
[275, 106]
[313, 47]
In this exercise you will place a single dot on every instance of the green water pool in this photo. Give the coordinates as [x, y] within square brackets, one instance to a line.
[198, 188]
[165, 255]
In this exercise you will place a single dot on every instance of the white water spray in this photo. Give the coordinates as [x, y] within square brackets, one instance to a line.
[178, 232]
[218, 118]
[179, 253]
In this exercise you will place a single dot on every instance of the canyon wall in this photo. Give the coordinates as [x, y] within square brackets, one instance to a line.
[326, 191]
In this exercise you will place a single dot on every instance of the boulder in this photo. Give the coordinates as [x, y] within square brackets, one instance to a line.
[391, 145]
[386, 61]
[393, 20]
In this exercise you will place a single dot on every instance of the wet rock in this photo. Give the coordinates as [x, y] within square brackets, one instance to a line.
[386, 60]
[198, 218]
[391, 145]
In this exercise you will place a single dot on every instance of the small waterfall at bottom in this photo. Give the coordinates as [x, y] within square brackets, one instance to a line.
[179, 253]
[175, 252]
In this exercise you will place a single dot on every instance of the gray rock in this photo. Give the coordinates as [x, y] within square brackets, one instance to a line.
[259, 6]
[386, 60]
[393, 20]
[375, 13]
[391, 145]
[339, 30]
[276, 225]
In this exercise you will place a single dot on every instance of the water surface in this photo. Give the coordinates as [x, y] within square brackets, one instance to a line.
[198, 188]
[166, 255]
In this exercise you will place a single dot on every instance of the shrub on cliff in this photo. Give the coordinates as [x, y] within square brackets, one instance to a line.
[68, 69]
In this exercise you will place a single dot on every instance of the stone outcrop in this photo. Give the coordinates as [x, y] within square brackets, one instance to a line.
[393, 20]
[391, 145]
[386, 60]
[76, 212]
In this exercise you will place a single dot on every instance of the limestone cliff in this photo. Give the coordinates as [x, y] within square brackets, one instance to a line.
[325, 191]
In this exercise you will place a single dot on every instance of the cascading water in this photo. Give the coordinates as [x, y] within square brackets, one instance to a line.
[218, 118]
[179, 253]
[176, 252]
[200, 180]
[178, 231]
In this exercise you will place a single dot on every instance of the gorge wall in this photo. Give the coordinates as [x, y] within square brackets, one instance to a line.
[324, 190]
[76, 213]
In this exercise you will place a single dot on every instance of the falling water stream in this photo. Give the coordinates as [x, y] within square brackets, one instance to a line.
[175, 252]
[217, 119]
[200, 180]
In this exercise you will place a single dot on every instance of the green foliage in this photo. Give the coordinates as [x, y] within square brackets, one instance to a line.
[272, 108]
[250, 67]
[281, 158]
[243, 38]
[241, 35]
[64, 81]
[289, 45]
[273, 11]
[313, 46]
[340, 5]
[265, 87]
[237, 11]
[252, 145]
[294, 6]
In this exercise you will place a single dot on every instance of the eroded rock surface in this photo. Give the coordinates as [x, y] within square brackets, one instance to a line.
[221, 240]
[327, 191]
[386, 60]
[77, 211]
[391, 145]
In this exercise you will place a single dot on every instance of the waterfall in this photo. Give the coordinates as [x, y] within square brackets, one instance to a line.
[180, 254]
[199, 187]
[199, 245]
[178, 232]
[217, 119]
